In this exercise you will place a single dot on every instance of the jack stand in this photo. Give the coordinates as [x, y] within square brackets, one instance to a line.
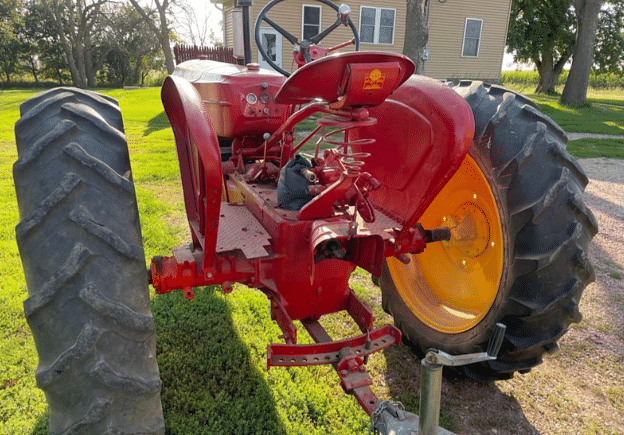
[431, 378]
[391, 418]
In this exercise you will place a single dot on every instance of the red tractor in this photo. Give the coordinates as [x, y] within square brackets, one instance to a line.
[462, 203]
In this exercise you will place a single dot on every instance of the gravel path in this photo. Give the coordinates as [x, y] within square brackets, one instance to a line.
[575, 136]
[605, 197]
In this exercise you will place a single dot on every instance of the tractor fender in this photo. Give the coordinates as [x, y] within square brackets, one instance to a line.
[424, 131]
[200, 162]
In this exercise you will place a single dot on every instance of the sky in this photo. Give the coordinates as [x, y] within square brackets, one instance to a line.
[214, 18]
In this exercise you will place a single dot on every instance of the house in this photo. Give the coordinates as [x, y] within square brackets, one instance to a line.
[466, 37]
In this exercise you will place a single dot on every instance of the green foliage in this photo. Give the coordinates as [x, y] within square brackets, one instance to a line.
[120, 45]
[42, 50]
[609, 53]
[545, 33]
[11, 25]
[529, 79]
[131, 43]
[538, 28]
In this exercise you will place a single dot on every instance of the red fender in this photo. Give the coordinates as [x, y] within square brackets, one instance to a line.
[423, 133]
[200, 162]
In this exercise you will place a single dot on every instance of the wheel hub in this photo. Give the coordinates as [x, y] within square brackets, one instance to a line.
[452, 285]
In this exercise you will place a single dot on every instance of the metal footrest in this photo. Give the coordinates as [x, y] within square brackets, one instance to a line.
[329, 353]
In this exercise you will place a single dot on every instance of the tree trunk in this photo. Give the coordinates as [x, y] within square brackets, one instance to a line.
[575, 90]
[166, 46]
[161, 33]
[70, 55]
[416, 32]
[164, 36]
[549, 72]
[136, 71]
[90, 69]
[33, 69]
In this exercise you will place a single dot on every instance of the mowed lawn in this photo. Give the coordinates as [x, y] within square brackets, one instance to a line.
[212, 350]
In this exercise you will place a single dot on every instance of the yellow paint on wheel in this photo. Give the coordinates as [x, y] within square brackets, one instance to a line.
[452, 285]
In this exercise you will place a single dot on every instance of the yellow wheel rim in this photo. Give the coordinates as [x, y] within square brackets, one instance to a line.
[452, 285]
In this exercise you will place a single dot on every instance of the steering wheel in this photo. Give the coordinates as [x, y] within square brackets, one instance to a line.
[304, 46]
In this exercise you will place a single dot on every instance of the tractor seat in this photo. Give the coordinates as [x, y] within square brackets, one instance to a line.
[359, 79]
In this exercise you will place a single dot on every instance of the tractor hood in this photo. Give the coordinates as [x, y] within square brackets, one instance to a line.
[238, 100]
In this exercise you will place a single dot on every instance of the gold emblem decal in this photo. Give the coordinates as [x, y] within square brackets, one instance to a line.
[374, 80]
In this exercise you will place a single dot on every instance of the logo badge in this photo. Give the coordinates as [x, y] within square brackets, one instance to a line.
[374, 80]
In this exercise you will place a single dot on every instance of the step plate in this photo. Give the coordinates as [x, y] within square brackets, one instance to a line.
[239, 229]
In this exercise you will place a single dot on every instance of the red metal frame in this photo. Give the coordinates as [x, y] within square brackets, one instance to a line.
[401, 139]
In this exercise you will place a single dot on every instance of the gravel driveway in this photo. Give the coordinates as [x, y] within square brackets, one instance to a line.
[603, 302]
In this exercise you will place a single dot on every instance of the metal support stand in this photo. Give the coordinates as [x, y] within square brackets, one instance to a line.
[430, 394]
[431, 378]
[390, 418]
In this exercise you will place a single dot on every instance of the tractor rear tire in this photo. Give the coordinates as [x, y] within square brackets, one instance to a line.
[527, 266]
[80, 242]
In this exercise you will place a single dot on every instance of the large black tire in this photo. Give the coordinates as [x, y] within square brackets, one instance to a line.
[546, 229]
[81, 248]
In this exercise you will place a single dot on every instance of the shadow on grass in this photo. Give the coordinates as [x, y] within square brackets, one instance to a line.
[157, 123]
[42, 426]
[210, 385]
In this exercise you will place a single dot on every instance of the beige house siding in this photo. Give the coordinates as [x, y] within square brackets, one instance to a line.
[228, 37]
[289, 15]
[446, 33]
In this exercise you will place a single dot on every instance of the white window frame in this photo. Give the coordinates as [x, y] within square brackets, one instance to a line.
[320, 24]
[378, 24]
[278, 48]
[478, 41]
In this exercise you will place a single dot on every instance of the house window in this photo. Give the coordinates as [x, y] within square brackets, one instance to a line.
[377, 25]
[311, 22]
[472, 37]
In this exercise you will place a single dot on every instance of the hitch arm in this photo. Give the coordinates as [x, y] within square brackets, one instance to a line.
[347, 356]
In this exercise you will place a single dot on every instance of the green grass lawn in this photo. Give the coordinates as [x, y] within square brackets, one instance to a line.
[212, 350]
[603, 114]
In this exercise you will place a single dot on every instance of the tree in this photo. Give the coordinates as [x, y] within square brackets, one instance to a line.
[192, 24]
[75, 23]
[575, 90]
[541, 31]
[609, 52]
[42, 48]
[416, 32]
[161, 29]
[11, 25]
[132, 41]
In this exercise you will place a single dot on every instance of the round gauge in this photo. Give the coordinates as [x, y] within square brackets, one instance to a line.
[264, 98]
[251, 98]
